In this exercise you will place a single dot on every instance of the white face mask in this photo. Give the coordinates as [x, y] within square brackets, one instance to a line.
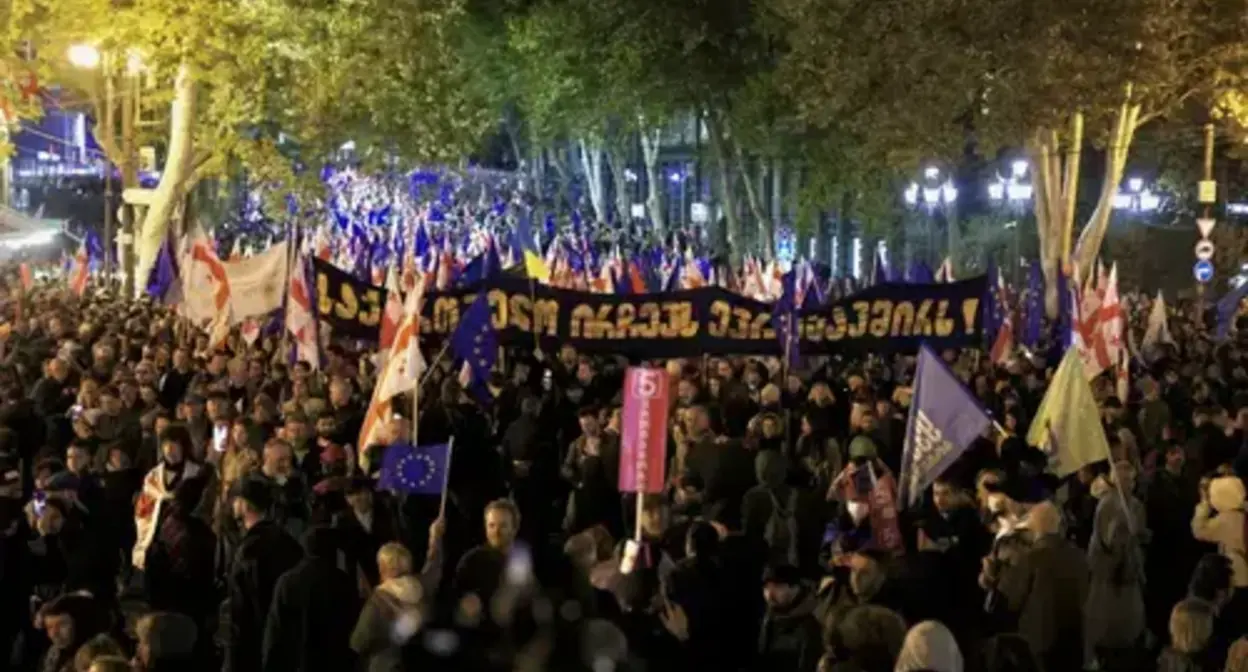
[858, 511]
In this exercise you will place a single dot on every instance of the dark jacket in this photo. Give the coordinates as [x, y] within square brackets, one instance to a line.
[264, 554]
[310, 621]
[1047, 587]
[791, 638]
[360, 545]
[179, 572]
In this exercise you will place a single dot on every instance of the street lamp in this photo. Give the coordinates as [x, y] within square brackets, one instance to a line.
[1012, 193]
[91, 57]
[1137, 197]
[85, 56]
[933, 195]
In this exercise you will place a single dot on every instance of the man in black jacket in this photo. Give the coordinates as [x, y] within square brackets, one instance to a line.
[313, 612]
[264, 554]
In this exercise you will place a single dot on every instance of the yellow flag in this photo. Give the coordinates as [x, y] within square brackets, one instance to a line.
[535, 267]
[1067, 425]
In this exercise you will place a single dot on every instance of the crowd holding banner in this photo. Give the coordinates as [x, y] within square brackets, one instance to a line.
[510, 459]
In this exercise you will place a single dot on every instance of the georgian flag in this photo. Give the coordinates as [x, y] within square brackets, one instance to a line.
[301, 315]
[80, 271]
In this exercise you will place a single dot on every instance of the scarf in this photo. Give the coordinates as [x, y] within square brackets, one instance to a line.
[148, 506]
[882, 502]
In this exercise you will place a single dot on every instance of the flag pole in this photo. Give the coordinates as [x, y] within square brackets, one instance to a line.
[446, 478]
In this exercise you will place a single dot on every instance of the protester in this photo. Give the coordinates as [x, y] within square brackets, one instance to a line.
[156, 479]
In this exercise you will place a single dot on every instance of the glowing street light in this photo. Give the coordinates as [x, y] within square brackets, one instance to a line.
[1137, 197]
[84, 56]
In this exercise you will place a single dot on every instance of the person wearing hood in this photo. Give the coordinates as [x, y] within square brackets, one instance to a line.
[313, 610]
[929, 647]
[1225, 495]
[791, 637]
[397, 608]
[1115, 607]
[769, 509]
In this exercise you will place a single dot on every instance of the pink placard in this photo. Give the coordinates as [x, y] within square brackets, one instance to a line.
[643, 431]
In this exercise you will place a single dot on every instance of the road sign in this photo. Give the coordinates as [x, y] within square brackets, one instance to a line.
[1204, 250]
[1207, 191]
[1203, 271]
[1205, 226]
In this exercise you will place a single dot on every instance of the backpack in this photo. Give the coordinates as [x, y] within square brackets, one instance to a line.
[781, 529]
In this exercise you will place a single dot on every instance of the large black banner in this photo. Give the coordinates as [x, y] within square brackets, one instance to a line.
[713, 320]
[351, 307]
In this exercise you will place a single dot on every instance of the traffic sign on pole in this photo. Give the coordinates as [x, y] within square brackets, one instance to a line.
[1205, 225]
[1203, 271]
[1204, 250]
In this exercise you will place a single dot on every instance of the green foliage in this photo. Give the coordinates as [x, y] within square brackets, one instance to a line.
[316, 74]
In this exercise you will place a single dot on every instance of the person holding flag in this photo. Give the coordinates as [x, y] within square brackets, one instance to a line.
[1067, 427]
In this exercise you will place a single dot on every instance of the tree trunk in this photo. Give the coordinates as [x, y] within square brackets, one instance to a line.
[843, 265]
[1093, 233]
[177, 177]
[617, 163]
[565, 179]
[1054, 184]
[650, 139]
[735, 241]
[764, 236]
[591, 162]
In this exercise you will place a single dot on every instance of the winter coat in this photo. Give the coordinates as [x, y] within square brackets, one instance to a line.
[1226, 529]
[1114, 614]
[377, 637]
[310, 621]
[791, 638]
[263, 555]
[1048, 587]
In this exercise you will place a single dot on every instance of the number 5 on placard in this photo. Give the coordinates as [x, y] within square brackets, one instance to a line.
[646, 384]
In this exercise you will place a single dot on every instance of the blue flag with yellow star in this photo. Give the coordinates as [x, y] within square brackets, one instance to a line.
[475, 342]
[415, 470]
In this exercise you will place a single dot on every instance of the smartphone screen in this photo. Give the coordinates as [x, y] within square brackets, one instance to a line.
[220, 434]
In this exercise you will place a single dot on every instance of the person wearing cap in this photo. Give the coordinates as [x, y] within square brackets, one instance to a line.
[791, 638]
[264, 553]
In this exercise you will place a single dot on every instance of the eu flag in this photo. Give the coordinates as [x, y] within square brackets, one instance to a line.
[415, 470]
[162, 283]
[475, 341]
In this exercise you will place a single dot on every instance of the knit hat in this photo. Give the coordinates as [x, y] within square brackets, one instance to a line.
[862, 447]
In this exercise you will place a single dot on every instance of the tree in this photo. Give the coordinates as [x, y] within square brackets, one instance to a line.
[915, 81]
[247, 81]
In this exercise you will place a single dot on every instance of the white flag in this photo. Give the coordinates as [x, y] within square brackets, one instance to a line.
[246, 288]
[257, 283]
[1157, 331]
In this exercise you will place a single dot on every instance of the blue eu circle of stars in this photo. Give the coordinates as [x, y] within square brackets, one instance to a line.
[418, 475]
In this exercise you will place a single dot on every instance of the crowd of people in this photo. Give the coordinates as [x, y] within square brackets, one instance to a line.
[168, 505]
